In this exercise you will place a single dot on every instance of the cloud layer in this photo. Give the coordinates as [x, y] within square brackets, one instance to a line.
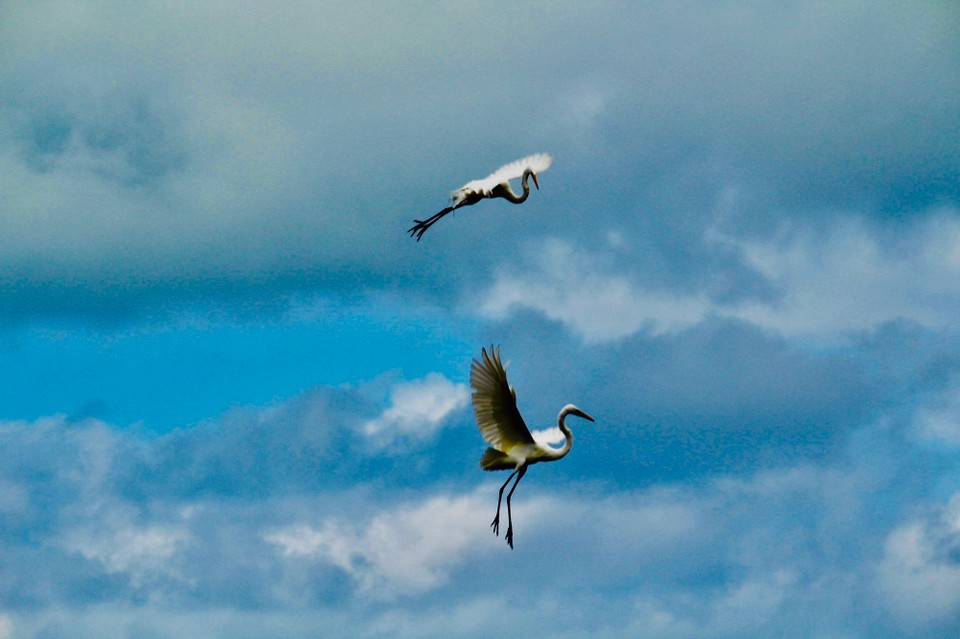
[163, 156]
[780, 551]
[236, 401]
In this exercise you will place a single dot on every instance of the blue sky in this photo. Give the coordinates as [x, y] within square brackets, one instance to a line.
[234, 398]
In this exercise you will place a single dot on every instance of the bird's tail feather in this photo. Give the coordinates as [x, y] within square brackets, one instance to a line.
[493, 459]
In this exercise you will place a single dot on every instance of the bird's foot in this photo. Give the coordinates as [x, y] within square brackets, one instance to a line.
[495, 524]
[509, 536]
[420, 226]
[418, 229]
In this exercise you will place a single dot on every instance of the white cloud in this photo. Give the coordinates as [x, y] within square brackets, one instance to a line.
[402, 552]
[569, 285]
[744, 556]
[548, 436]
[417, 410]
[754, 603]
[844, 278]
[919, 574]
[416, 548]
[940, 423]
[142, 552]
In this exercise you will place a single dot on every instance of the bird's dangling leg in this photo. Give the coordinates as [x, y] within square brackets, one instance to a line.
[495, 524]
[421, 226]
[509, 535]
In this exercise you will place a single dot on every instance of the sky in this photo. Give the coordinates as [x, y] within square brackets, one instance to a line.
[235, 393]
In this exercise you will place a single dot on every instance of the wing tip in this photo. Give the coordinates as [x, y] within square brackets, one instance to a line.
[538, 161]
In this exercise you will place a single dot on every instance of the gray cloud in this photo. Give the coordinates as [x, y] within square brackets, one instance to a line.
[165, 157]
[740, 263]
[721, 396]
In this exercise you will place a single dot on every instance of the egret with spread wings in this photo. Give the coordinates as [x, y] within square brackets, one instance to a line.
[497, 184]
[512, 447]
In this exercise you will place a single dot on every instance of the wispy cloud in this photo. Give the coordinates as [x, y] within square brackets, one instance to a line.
[919, 573]
[939, 421]
[141, 553]
[418, 409]
[854, 277]
[403, 551]
[571, 285]
[749, 555]
[743, 263]
[850, 277]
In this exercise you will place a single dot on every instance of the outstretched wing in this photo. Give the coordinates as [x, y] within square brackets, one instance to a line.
[495, 403]
[484, 188]
[537, 163]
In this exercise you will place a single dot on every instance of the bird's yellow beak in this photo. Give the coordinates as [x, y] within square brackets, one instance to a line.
[536, 182]
[580, 413]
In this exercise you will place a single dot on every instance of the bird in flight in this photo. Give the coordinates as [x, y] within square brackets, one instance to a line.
[497, 184]
[512, 447]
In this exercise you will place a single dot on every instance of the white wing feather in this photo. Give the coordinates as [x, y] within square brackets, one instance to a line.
[537, 163]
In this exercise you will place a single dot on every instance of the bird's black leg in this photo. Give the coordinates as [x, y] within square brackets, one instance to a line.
[495, 524]
[421, 226]
[509, 535]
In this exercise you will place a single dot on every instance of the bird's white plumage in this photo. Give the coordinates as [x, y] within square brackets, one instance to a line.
[512, 446]
[537, 163]
[495, 185]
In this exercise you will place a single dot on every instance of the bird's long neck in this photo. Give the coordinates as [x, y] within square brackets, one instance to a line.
[506, 192]
[568, 437]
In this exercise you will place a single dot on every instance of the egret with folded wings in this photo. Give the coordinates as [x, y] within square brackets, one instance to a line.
[512, 447]
[497, 184]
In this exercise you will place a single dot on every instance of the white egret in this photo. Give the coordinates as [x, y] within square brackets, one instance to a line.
[511, 444]
[497, 184]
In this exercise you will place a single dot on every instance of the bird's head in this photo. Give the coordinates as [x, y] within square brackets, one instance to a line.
[570, 409]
